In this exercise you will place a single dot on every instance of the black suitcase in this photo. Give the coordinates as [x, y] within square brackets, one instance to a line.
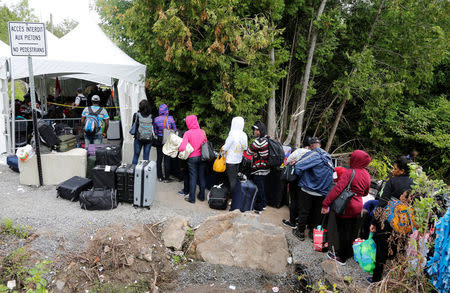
[110, 155]
[71, 188]
[217, 197]
[98, 199]
[104, 176]
[125, 183]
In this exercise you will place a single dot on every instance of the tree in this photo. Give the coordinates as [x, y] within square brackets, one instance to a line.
[18, 12]
[62, 28]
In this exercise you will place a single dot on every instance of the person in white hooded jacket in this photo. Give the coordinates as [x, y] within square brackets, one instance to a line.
[234, 147]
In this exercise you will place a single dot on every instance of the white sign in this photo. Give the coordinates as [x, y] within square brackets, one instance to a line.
[27, 38]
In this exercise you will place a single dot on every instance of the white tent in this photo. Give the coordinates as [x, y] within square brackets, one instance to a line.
[87, 53]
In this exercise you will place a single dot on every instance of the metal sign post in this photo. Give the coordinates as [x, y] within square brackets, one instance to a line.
[29, 39]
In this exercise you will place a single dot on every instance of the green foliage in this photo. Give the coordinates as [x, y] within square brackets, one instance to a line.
[62, 28]
[380, 169]
[36, 281]
[13, 267]
[7, 227]
[134, 287]
[321, 287]
[19, 12]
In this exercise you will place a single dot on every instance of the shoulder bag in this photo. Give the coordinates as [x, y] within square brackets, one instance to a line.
[340, 203]
[220, 164]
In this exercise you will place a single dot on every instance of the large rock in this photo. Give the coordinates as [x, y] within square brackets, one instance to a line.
[174, 233]
[241, 239]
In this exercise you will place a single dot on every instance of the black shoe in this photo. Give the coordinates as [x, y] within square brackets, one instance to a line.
[160, 179]
[370, 280]
[336, 258]
[299, 235]
[187, 199]
[287, 223]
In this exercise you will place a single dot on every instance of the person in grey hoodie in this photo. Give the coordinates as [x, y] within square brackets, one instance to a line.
[235, 145]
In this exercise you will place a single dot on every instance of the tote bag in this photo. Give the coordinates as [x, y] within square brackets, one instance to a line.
[220, 164]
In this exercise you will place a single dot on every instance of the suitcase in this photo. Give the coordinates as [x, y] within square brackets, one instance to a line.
[110, 155]
[90, 166]
[125, 183]
[13, 163]
[68, 142]
[244, 196]
[98, 199]
[71, 188]
[113, 130]
[144, 183]
[93, 147]
[217, 197]
[104, 176]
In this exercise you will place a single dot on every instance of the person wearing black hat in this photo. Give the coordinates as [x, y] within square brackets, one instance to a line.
[80, 101]
[315, 172]
[259, 150]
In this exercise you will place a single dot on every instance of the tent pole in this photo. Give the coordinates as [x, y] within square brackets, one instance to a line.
[13, 116]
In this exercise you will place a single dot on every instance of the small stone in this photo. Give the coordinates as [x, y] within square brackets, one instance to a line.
[138, 239]
[232, 287]
[148, 257]
[60, 285]
[289, 260]
[130, 260]
[107, 249]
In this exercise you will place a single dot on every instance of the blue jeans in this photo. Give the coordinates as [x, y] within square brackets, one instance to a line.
[96, 139]
[196, 171]
[138, 145]
[260, 201]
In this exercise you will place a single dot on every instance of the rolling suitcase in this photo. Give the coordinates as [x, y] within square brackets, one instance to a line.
[90, 166]
[125, 183]
[244, 196]
[110, 155]
[92, 148]
[71, 188]
[144, 184]
[104, 176]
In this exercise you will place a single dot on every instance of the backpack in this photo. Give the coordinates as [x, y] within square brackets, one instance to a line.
[145, 132]
[92, 125]
[47, 134]
[276, 153]
[400, 216]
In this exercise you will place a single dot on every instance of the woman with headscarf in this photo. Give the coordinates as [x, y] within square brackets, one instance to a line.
[235, 145]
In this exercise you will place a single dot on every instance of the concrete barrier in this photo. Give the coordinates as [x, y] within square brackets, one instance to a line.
[56, 167]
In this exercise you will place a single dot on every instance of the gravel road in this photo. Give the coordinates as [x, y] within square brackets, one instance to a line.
[62, 223]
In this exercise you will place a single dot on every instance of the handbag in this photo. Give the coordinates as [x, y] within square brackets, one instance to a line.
[207, 151]
[166, 131]
[320, 241]
[288, 173]
[134, 126]
[340, 203]
[220, 164]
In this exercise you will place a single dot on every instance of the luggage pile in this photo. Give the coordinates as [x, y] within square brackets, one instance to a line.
[110, 182]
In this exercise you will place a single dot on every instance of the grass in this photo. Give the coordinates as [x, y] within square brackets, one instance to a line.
[7, 227]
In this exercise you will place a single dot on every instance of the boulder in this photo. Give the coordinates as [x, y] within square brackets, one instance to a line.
[174, 233]
[243, 240]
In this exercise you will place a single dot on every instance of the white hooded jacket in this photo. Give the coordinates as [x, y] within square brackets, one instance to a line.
[236, 142]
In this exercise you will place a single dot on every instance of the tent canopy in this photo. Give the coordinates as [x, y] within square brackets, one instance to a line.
[85, 50]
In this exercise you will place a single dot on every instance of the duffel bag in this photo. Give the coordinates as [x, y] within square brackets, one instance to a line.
[217, 197]
[98, 199]
[110, 155]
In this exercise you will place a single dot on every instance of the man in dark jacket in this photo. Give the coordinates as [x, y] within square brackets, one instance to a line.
[259, 150]
[315, 171]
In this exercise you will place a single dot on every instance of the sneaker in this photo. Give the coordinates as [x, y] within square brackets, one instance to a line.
[287, 223]
[160, 179]
[182, 193]
[299, 235]
[167, 180]
[257, 212]
[337, 259]
[370, 280]
[187, 199]
[264, 208]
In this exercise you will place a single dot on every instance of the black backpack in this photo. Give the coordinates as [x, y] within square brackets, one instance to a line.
[276, 153]
[47, 134]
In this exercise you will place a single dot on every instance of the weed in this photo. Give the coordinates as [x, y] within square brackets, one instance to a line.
[7, 227]
[13, 267]
[137, 286]
[36, 281]
[178, 259]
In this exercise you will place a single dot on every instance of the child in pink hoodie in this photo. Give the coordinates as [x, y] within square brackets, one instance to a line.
[196, 137]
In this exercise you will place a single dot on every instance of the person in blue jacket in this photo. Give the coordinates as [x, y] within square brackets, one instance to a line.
[315, 172]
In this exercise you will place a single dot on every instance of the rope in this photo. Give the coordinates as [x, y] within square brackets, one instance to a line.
[70, 106]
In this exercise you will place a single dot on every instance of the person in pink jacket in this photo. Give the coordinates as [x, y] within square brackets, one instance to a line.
[196, 137]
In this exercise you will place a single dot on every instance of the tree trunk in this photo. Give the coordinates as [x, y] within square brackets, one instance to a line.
[301, 110]
[335, 124]
[272, 112]
[354, 70]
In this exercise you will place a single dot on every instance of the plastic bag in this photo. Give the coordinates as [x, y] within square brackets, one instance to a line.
[24, 153]
[365, 253]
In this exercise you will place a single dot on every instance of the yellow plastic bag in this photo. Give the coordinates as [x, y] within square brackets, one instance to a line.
[220, 164]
